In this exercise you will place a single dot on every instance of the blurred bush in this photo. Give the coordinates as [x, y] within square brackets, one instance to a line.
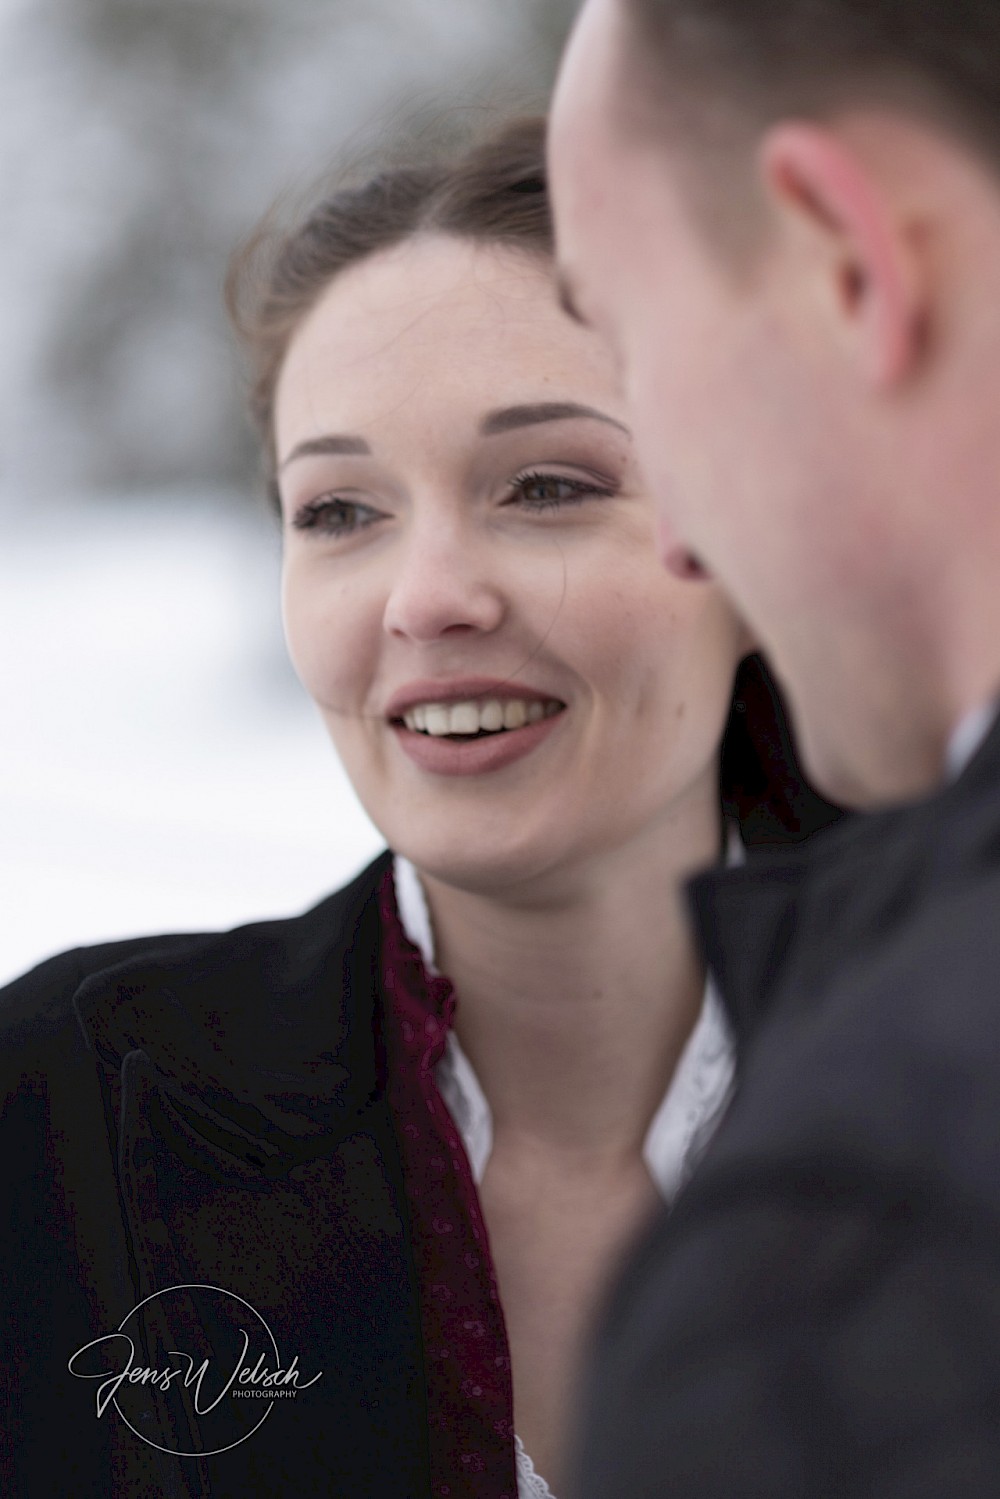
[139, 140]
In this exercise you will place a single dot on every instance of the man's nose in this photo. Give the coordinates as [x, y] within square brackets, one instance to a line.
[676, 557]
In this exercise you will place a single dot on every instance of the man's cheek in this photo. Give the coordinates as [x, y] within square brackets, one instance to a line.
[666, 537]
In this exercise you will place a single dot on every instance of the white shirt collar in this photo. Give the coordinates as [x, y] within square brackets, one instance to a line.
[692, 1106]
[968, 735]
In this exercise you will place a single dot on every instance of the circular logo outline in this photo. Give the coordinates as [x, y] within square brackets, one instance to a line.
[170, 1451]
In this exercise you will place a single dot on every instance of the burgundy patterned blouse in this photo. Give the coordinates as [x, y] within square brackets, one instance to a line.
[469, 1395]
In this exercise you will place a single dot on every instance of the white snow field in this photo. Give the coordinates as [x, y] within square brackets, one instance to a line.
[160, 768]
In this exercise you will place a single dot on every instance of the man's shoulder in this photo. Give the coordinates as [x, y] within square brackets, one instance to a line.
[886, 1060]
[895, 928]
[933, 961]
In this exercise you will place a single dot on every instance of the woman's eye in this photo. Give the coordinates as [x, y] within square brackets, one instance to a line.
[552, 491]
[330, 516]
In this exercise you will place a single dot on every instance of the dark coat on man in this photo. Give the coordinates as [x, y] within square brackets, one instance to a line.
[819, 1315]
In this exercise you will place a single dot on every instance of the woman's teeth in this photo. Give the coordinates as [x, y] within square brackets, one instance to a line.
[488, 717]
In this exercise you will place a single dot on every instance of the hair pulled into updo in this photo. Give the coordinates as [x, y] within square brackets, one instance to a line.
[494, 192]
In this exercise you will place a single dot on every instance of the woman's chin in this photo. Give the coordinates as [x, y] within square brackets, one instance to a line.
[479, 866]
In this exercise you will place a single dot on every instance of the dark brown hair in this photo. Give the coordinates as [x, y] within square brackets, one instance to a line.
[727, 64]
[495, 193]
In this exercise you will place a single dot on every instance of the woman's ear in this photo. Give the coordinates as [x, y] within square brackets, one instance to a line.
[863, 276]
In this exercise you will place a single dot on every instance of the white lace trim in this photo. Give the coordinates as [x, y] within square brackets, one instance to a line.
[681, 1128]
[530, 1483]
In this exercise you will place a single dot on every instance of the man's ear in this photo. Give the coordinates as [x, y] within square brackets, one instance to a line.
[869, 261]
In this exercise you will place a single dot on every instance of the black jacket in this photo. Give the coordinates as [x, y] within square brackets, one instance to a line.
[209, 1111]
[819, 1318]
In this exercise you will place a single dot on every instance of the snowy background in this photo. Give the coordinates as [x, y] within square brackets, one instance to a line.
[160, 768]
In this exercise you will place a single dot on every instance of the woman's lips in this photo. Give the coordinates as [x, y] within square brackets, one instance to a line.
[470, 757]
[456, 690]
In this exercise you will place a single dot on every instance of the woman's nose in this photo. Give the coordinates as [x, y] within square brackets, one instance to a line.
[442, 583]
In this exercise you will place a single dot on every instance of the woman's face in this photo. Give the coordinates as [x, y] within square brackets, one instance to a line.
[471, 591]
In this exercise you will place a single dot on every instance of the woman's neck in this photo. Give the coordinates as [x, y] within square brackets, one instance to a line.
[577, 993]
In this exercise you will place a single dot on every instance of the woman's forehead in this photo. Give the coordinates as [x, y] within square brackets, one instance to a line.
[439, 325]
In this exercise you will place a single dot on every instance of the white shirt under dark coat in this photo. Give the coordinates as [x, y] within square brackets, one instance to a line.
[692, 1106]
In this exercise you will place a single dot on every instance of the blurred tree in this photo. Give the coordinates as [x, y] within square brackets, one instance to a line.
[140, 139]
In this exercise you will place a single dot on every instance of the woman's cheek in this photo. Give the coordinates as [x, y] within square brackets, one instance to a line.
[329, 644]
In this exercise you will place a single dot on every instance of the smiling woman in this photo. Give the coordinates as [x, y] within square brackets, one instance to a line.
[487, 563]
[398, 1169]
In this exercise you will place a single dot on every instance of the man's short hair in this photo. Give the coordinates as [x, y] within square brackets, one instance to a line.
[720, 62]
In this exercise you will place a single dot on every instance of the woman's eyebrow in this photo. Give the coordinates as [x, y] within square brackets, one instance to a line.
[507, 418]
[504, 419]
[332, 442]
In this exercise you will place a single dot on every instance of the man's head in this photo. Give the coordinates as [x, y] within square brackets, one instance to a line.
[786, 219]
